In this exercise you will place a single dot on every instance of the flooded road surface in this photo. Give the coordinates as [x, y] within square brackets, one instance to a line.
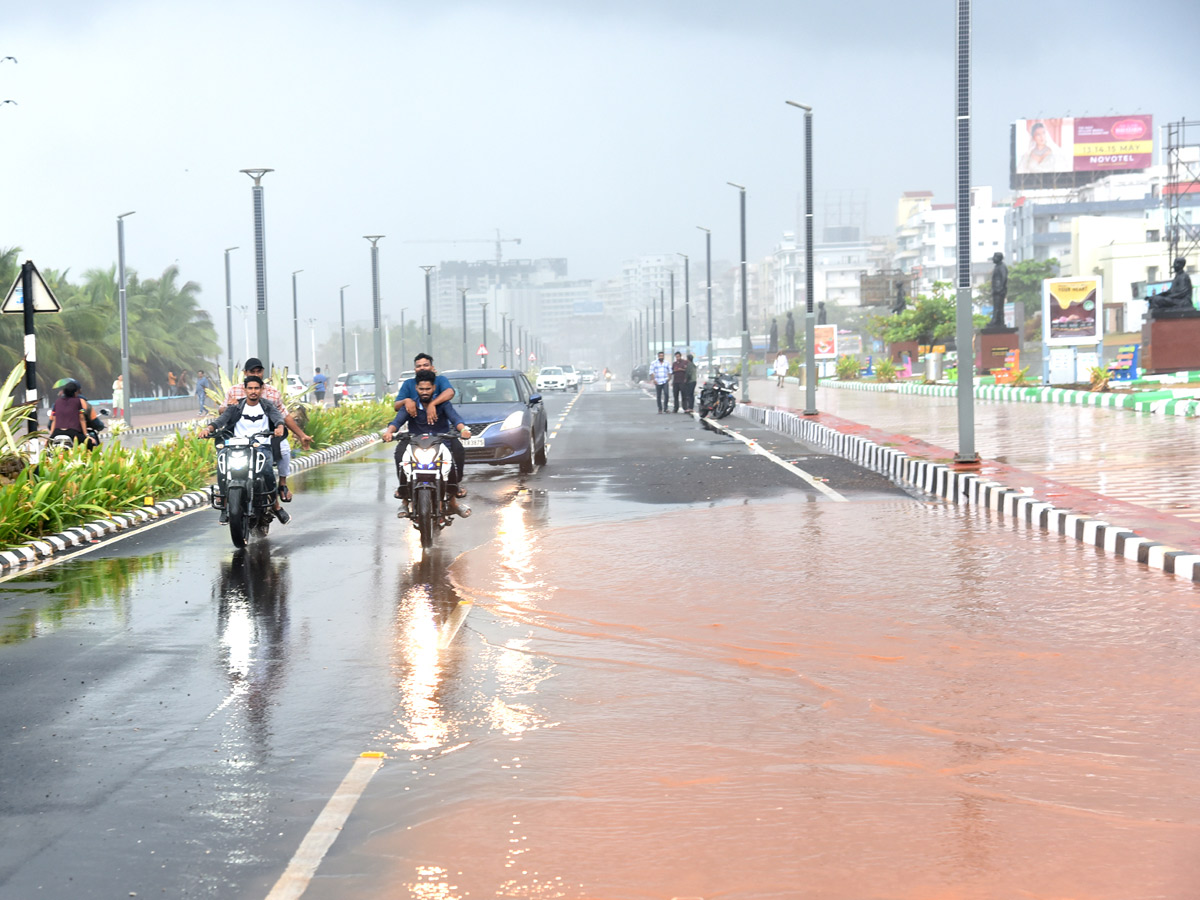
[660, 667]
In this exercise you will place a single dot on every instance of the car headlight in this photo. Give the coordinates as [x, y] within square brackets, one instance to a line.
[514, 420]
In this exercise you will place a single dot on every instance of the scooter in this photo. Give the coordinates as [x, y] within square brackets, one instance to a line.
[427, 465]
[246, 486]
[60, 443]
[717, 396]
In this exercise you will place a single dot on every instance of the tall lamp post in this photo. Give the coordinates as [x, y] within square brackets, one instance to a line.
[483, 343]
[708, 285]
[342, 304]
[672, 309]
[125, 378]
[745, 309]
[687, 302]
[403, 352]
[312, 334]
[428, 311]
[296, 320]
[228, 308]
[375, 307]
[466, 358]
[260, 264]
[245, 311]
[662, 319]
[810, 319]
[964, 330]
[504, 339]
[355, 349]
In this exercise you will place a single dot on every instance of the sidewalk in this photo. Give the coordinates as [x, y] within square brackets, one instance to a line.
[1128, 469]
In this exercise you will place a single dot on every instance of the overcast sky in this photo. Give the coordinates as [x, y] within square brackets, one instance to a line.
[592, 131]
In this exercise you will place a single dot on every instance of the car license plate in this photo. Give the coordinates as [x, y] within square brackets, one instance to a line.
[474, 442]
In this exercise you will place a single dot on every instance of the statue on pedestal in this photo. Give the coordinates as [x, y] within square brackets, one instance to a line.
[790, 331]
[1178, 295]
[999, 291]
[901, 304]
[820, 312]
[773, 337]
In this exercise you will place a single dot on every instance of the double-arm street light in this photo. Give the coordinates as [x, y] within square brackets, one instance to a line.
[745, 309]
[708, 285]
[810, 320]
[128, 382]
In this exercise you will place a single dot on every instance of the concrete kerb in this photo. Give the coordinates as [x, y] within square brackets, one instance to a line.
[94, 532]
[962, 488]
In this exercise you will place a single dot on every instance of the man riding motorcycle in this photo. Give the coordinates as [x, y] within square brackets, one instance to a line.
[447, 423]
[249, 416]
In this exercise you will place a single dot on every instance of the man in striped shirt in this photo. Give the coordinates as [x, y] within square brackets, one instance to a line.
[661, 373]
[254, 366]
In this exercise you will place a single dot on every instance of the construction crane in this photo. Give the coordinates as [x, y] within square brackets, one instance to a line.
[497, 240]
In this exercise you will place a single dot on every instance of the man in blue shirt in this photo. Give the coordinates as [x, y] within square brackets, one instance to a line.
[661, 373]
[448, 423]
[319, 381]
[443, 392]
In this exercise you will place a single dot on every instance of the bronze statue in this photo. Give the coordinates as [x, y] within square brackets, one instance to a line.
[773, 337]
[790, 331]
[821, 312]
[901, 304]
[1178, 295]
[999, 290]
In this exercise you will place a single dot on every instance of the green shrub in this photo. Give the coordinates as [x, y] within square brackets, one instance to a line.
[885, 370]
[847, 367]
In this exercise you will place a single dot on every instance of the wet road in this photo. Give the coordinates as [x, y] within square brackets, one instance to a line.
[661, 666]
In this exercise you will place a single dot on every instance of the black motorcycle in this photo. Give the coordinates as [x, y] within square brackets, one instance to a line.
[246, 486]
[427, 465]
[717, 396]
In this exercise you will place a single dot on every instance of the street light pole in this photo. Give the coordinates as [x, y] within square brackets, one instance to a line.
[260, 265]
[296, 320]
[228, 309]
[356, 366]
[708, 285]
[466, 358]
[810, 319]
[964, 328]
[672, 309]
[503, 339]
[245, 310]
[403, 352]
[428, 311]
[745, 308]
[125, 378]
[312, 333]
[662, 319]
[483, 359]
[687, 302]
[375, 304]
[342, 303]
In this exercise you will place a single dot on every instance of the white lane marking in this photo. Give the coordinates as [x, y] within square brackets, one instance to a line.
[295, 879]
[795, 470]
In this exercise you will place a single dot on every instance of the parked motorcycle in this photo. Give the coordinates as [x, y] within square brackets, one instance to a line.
[246, 484]
[427, 465]
[717, 396]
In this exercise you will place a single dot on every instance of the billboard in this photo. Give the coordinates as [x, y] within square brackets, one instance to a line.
[1070, 151]
[1071, 311]
[825, 343]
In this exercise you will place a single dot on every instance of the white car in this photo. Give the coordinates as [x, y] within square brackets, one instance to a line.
[572, 377]
[296, 386]
[588, 376]
[551, 378]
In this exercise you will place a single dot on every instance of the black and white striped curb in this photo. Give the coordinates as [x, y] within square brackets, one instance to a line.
[93, 532]
[164, 427]
[967, 489]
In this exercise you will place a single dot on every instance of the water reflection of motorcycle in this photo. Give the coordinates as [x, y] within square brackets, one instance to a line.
[717, 396]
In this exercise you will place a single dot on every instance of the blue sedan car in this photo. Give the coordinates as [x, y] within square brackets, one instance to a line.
[505, 415]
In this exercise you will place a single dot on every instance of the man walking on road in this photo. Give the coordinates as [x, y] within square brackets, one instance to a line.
[202, 386]
[661, 373]
[319, 381]
[678, 379]
[781, 367]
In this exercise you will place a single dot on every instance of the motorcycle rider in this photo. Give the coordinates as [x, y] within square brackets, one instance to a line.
[447, 423]
[443, 392]
[70, 413]
[254, 366]
[248, 416]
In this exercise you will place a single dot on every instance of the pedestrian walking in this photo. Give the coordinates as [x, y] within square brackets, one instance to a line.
[689, 384]
[202, 385]
[781, 367]
[170, 383]
[661, 373]
[319, 381]
[678, 379]
[118, 398]
[182, 384]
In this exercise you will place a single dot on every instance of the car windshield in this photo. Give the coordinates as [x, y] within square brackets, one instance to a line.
[569, 369]
[361, 378]
[552, 371]
[484, 390]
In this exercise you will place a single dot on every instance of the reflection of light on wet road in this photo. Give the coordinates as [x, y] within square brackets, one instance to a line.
[516, 553]
[417, 637]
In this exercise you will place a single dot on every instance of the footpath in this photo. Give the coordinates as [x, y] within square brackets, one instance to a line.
[1122, 480]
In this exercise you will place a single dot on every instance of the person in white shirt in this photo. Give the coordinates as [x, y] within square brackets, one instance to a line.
[781, 367]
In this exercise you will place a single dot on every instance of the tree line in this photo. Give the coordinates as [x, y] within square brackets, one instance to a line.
[168, 331]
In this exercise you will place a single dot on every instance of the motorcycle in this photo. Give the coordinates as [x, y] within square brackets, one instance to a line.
[246, 486]
[717, 396]
[427, 464]
[63, 442]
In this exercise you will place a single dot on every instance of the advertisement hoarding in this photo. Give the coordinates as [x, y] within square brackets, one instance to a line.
[1071, 311]
[1075, 150]
[825, 342]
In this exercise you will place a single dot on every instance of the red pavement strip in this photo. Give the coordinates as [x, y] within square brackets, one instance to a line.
[1044, 503]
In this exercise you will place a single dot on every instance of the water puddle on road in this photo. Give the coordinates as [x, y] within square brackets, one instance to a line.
[885, 700]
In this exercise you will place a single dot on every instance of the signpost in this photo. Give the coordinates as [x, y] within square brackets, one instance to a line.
[481, 353]
[30, 284]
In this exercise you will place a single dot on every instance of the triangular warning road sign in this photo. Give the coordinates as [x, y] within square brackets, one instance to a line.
[43, 298]
[482, 351]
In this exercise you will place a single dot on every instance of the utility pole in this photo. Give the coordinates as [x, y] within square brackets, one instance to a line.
[708, 286]
[296, 320]
[342, 303]
[466, 359]
[228, 313]
[375, 303]
[27, 282]
[260, 265]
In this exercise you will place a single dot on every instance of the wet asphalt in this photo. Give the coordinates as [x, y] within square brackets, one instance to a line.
[176, 713]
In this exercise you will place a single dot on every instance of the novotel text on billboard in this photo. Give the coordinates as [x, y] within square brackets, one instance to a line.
[1070, 151]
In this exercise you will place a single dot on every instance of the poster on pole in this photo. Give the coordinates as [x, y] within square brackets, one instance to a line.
[825, 342]
[1071, 311]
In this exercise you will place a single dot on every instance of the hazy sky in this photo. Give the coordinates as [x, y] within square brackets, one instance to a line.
[593, 131]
